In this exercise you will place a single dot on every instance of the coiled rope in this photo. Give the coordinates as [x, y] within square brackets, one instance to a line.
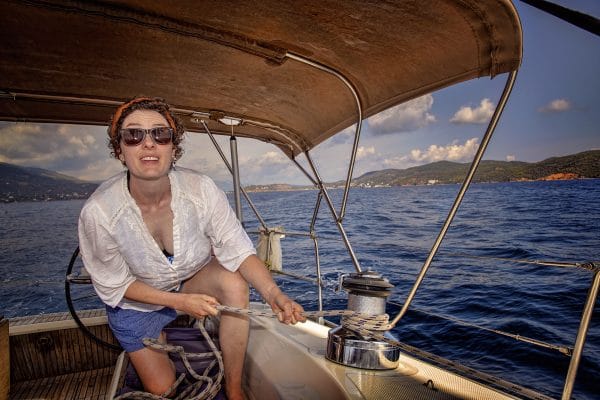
[193, 391]
[366, 326]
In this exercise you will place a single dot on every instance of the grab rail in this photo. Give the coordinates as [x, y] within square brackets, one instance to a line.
[510, 81]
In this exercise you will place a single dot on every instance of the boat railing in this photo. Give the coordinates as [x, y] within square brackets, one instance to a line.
[317, 181]
[574, 351]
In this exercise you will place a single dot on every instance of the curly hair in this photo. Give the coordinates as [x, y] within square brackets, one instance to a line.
[144, 103]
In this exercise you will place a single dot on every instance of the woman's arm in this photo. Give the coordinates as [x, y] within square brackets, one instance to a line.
[194, 304]
[255, 273]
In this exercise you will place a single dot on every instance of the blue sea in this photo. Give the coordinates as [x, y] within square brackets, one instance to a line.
[392, 231]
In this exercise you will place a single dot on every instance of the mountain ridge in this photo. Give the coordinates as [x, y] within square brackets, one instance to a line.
[32, 184]
[36, 184]
[575, 166]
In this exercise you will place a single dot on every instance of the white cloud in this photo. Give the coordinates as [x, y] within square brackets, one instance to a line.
[266, 160]
[556, 106]
[364, 152]
[406, 117]
[269, 167]
[510, 157]
[259, 162]
[343, 137]
[96, 170]
[79, 151]
[451, 152]
[478, 115]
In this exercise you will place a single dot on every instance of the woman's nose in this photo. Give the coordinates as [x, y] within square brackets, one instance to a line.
[148, 141]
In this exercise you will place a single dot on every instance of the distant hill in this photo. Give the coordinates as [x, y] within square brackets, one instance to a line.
[36, 184]
[576, 166]
[276, 187]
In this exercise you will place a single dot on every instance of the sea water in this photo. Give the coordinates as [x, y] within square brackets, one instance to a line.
[392, 231]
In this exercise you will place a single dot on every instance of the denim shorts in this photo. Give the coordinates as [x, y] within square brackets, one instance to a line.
[130, 327]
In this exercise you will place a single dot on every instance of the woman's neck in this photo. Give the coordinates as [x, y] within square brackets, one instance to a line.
[150, 193]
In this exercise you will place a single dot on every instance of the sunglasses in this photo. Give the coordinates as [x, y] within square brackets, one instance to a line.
[135, 136]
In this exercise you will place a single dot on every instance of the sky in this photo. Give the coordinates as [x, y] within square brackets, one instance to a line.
[554, 110]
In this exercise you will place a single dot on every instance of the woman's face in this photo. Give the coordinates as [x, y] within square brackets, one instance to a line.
[147, 160]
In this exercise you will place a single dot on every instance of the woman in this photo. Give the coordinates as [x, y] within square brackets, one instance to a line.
[147, 238]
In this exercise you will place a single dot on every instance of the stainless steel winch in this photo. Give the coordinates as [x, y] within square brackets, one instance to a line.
[367, 294]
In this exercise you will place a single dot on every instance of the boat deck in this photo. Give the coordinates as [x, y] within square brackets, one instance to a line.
[289, 362]
[89, 385]
[50, 358]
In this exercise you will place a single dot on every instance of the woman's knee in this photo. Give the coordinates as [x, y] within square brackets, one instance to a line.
[159, 388]
[215, 280]
[155, 370]
[235, 290]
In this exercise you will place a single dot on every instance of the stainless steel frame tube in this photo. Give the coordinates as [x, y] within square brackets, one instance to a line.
[236, 177]
[334, 213]
[581, 335]
[220, 151]
[354, 92]
[459, 197]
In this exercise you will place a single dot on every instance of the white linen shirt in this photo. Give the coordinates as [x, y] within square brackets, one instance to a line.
[117, 248]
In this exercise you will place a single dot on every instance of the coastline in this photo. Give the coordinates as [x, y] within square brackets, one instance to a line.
[279, 188]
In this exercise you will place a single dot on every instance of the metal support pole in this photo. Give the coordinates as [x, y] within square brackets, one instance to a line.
[220, 151]
[459, 197]
[236, 177]
[354, 92]
[581, 335]
[334, 213]
[319, 279]
[313, 222]
[301, 168]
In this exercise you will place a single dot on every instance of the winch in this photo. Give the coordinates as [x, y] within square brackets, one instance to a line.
[367, 294]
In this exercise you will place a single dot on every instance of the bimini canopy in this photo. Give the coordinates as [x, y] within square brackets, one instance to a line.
[72, 61]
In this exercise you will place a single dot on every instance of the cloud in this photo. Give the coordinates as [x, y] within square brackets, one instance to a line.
[364, 152]
[78, 151]
[478, 115]
[343, 137]
[510, 157]
[269, 167]
[556, 106]
[259, 162]
[451, 152]
[406, 117]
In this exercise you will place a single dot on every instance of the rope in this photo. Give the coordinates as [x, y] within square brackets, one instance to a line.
[195, 390]
[374, 326]
[366, 326]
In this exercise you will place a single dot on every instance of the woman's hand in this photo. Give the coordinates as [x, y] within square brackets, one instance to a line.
[287, 310]
[256, 274]
[199, 305]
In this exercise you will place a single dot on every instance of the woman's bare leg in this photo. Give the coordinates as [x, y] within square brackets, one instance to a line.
[231, 289]
[155, 368]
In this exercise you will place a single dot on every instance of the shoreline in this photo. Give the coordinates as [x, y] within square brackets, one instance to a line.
[307, 188]
[362, 186]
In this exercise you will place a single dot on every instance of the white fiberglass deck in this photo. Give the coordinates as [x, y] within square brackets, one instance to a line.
[288, 362]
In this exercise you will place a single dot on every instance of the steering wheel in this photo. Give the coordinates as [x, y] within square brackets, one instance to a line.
[81, 279]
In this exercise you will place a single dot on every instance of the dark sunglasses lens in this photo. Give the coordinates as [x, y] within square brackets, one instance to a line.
[135, 136]
[162, 135]
[132, 136]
